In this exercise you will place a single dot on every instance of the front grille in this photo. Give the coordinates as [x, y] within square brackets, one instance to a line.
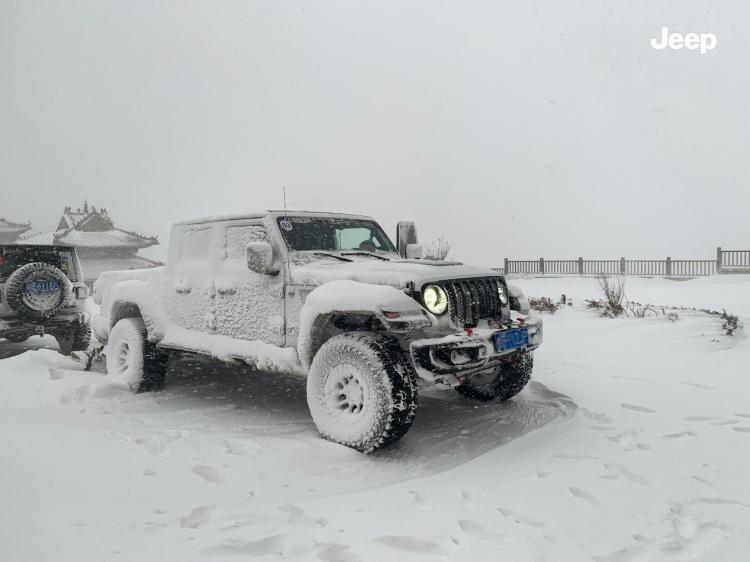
[471, 300]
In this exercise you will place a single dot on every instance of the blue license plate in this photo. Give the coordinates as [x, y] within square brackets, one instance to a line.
[43, 285]
[511, 339]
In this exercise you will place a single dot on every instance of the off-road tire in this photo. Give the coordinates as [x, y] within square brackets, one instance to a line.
[77, 339]
[132, 359]
[507, 380]
[387, 402]
[15, 289]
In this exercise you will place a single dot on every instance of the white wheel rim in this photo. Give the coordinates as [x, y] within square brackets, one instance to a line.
[122, 364]
[344, 395]
[122, 357]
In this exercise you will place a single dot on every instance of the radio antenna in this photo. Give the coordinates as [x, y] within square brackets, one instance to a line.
[283, 189]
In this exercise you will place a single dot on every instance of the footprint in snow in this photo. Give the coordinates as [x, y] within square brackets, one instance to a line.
[409, 544]
[272, 545]
[626, 439]
[197, 517]
[419, 498]
[297, 517]
[625, 472]
[680, 436]
[80, 394]
[741, 415]
[208, 473]
[638, 408]
[625, 554]
[584, 495]
[698, 385]
[478, 530]
[742, 429]
[704, 481]
[334, 552]
[521, 519]
[596, 416]
[700, 418]
[574, 457]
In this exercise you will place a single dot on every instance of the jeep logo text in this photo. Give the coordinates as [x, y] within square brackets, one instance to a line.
[692, 41]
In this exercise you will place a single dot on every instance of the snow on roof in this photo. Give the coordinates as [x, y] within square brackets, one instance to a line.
[113, 238]
[11, 226]
[261, 214]
[37, 237]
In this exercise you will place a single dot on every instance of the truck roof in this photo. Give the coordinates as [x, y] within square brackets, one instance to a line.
[273, 213]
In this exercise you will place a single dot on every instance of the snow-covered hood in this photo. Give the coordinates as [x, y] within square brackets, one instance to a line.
[397, 273]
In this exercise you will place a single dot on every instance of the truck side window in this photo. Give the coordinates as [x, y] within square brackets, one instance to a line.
[195, 243]
[239, 236]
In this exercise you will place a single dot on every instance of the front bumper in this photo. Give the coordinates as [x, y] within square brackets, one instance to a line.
[447, 360]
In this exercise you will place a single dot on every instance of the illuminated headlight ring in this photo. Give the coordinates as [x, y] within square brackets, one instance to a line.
[435, 299]
[502, 293]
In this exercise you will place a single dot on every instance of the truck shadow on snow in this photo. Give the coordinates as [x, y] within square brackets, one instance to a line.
[449, 430]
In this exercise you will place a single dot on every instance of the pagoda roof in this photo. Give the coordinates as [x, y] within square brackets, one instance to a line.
[112, 238]
[90, 227]
[7, 226]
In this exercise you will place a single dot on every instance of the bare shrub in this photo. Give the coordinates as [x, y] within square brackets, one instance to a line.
[543, 304]
[613, 291]
[730, 323]
[438, 249]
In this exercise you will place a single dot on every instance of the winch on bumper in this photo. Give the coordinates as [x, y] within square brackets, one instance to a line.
[447, 360]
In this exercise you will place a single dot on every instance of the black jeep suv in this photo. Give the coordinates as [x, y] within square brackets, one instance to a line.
[42, 292]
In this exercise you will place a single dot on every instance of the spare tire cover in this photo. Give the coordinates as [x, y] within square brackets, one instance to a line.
[38, 290]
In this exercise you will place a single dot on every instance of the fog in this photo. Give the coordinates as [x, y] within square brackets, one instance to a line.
[518, 129]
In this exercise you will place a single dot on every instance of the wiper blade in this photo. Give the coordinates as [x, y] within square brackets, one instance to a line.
[365, 254]
[331, 256]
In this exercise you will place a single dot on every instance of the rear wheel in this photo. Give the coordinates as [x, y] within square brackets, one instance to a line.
[132, 359]
[502, 382]
[361, 391]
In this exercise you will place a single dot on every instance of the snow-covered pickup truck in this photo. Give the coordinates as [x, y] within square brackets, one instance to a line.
[329, 297]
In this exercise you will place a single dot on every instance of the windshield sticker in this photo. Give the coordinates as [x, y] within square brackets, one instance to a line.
[285, 224]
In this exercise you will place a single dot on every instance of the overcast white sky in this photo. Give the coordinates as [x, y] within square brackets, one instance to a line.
[518, 129]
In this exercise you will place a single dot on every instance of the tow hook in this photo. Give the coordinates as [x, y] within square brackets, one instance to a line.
[39, 330]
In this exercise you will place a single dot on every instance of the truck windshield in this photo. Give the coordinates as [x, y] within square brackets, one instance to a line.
[333, 235]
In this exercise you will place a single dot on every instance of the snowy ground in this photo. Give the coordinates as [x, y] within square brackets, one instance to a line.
[631, 443]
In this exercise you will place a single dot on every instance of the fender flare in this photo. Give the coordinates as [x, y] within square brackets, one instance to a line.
[134, 298]
[351, 298]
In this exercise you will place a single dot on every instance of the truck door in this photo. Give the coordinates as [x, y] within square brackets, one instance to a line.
[247, 305]
[188, 286]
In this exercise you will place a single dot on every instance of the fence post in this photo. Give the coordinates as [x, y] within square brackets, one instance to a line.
[669, 266]
[505, 266]
[622, 266]
[580, 266]
[718, 260]
[541, 266]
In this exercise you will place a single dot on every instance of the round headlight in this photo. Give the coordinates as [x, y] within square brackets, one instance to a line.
[502, 293]
[435, 299]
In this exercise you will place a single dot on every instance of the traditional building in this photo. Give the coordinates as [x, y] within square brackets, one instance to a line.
[10, 231]
[101, 246]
